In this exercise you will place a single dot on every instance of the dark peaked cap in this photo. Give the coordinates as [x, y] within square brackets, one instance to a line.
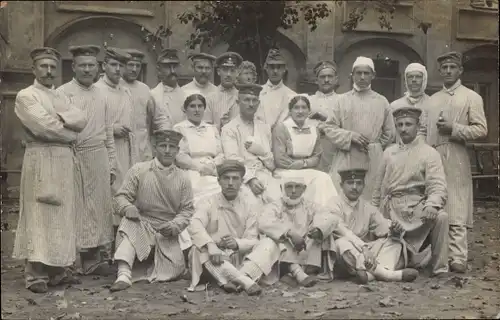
[452, 56]
[45, 53]
[229, 59]
[117, 54]
[351, 174]
[404, 112]
[249, 88]
[168, 56]
[230, 165]
[201, 55]
[135, 54]
[168, 136]
[84, 50]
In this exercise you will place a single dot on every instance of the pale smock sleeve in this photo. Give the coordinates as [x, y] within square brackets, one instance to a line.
[159, 119]
[197, 229]
[229, 138]
[183, 158]
[324, 220]
[388, 134]
[379, 178]
[281, 141]
[219, 158]
[477, 127]
[186, 208]
[250, 236]
[126, 195]
[435, 181]
[339, 137]
[271, 225]
[39, 122]
[268, 159]
[110, 140]
[379, 226]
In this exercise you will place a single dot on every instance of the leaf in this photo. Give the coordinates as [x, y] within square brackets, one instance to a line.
[62, 304]
[288, 294]
[316, 295]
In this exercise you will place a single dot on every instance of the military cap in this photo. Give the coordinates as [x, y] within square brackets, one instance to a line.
[45, 53]
[324, 65]
[168, 136]
[404, 112]
[274, 56]
[117, 54]
[452, 57]
[352, 174]
[230, 165]
[136, 55]
[169, 56]
[85, 50]
[249, 88]
[248, 65]
[202, 56]
[229, 59]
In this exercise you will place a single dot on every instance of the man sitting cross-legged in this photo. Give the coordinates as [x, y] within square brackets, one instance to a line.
[368, 252]
[223, 230]
[297, 233]
[411, 190]
[156, 202]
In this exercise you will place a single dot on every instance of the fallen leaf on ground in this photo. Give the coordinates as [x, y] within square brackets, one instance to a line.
[338, 306]
[288, 294]
[317, 314]
[407, 288]
[233, 307]
[369, 288]
[316, 295]
[392, 314]
[31, 301]
[435, 286]
[286, 310]
[428, 316]
[62, 304]
[388, 302]
[111, 298]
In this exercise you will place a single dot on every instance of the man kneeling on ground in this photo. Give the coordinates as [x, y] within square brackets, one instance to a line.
[156, 202]
[223, 230]
[369, 252]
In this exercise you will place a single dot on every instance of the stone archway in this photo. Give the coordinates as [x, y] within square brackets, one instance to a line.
[392, 53]
[102, 30]
[295, 58]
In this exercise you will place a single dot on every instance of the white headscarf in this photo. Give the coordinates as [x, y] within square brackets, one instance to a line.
[362, 61]
[413, 98]
[284, 181]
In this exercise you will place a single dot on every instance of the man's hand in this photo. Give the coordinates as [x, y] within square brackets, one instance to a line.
[370, 262]
[169, 230]
[255, 148]
[256, 186]
[360, 140]
[430, 214]
[315, 234]
[318, 116]
[444, 127]
[297, 240]
[229, 242]
[112, 178]
[297, 165]
[215, 254]
[132, 213]
[120, 131]
[396, 228]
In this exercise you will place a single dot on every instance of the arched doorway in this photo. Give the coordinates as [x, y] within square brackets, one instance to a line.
[102, 30]
[295, 58]
[481, 75]
[390, 58]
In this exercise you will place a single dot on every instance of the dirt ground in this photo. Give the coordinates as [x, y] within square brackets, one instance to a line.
[471, 296]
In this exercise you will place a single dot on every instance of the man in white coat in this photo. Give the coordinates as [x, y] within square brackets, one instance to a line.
[203, 67]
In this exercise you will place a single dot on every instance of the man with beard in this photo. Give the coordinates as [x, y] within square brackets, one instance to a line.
[456, 116]
[410, 189]
[360, 126]
[322, 105]
[224, 231]
[247, 73]
[415, 83]
[275, 95]
[156, 203]
[45, 236]
[147, 117]
[248, 139]
[167, 94]
[203, 66]
[368, 251]
[120, 104]
[221, 105]
[96, 161]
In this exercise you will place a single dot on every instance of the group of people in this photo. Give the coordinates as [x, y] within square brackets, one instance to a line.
[243, 183]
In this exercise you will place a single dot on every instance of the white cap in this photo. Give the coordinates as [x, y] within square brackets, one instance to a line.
[363, 61]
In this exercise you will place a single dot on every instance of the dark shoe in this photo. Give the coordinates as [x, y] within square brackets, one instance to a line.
[39, 287]
[308, 282]
[458, 267]
[409, 275]
[361, 277]
[119, 286]
[230, 288]
[254, 290]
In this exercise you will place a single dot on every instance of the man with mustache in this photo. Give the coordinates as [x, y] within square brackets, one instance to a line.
[360, 126]
[156, 203]
[96, 165]
[168, 95]
[224, 231]
[248, 139]
[121, 113]
[411, 191]
[147, 117]
[221, 105]
[247, 73]
[455, 117]
[415, 83]
[203, 66]
[322, 105]
[46, 235]
[275, 95]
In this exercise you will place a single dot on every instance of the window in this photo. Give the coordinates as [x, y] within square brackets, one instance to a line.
[484, 4]
[387, 81]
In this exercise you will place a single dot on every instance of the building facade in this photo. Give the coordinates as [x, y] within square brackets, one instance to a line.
[467, 26]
